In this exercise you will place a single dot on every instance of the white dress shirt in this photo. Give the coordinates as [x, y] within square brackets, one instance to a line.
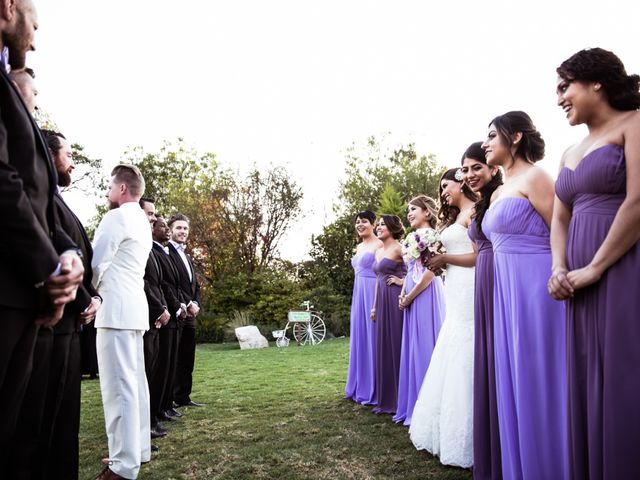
[121, 249]
[180, 249]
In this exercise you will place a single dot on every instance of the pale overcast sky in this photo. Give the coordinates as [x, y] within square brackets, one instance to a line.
[294, 83]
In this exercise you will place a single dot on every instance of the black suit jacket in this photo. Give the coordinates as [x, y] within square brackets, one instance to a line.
[170, 284]
[73, 227]
[190, 288]
[29, 249]
[153, 288]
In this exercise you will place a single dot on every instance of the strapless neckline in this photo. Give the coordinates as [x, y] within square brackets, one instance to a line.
[590, 154]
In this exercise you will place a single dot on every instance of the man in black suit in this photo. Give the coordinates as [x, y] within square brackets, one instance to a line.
[58, 452]
[158, 316]
[40, 268]
[190, 289]
[168, 351]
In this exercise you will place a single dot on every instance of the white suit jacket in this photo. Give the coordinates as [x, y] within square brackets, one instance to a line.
[121, 247]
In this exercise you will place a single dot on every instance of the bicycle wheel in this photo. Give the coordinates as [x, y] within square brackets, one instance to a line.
[312, 332]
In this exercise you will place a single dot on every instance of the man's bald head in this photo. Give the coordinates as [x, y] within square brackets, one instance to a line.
[24, 80]
[18, 23]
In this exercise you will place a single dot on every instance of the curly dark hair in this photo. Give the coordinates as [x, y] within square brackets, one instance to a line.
[531, 146]
[53, 140]
[447, 214]
[476, 153]
[603, 67]
[394, 225]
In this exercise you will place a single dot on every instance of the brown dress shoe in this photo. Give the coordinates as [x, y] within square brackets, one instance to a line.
[107, 474]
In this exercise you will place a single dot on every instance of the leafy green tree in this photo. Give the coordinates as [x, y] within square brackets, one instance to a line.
[391, 202]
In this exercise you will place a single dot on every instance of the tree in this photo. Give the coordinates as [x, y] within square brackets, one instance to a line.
[258, 210]
[391, 202]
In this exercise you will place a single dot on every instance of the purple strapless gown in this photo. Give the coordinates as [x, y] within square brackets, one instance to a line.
[603, 326]
[486, 436]
[529, 345]
[421, 325]
[361, 378]
[388, 335]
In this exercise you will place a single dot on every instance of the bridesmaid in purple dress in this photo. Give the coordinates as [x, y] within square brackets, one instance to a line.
[529, 332]
[596, 264]
[361, 377]
[423, 305]
[483, 180]
[390, 271]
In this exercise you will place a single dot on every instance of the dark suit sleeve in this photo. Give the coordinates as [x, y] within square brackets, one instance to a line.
[173, 302]
[155, 299]
[29, 241]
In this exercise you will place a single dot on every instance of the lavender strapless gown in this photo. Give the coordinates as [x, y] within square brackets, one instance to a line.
[486, 436]
[421, 324]
[388, 335]
[603, 326]
[361, 376]
[529, 343]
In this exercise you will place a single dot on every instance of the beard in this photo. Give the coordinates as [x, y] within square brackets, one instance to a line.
[64, 179]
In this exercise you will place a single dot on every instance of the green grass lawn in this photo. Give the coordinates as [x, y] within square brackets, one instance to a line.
[271, 413]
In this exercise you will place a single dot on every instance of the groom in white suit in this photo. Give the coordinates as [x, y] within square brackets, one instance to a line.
[121, 248]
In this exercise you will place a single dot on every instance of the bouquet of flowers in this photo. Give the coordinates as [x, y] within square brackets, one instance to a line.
[422, 244]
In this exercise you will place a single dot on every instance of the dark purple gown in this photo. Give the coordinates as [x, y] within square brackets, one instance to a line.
[388, 335]
[603, 326]
[486, 436]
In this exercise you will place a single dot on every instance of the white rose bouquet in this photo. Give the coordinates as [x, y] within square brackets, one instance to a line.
[422, 244]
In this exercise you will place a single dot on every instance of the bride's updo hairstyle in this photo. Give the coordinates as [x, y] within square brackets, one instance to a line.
[531, 146]
[394, 225]
[604, 67]
[428, 205]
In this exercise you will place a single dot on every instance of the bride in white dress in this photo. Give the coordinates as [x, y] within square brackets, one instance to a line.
[443, 415]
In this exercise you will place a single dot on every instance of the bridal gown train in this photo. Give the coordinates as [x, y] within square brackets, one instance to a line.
[443, 414]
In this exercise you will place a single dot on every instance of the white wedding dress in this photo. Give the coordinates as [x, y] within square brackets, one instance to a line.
[443, 415]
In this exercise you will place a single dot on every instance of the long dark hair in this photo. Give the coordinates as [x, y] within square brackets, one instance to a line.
[476, 153]
[603, 67]
[531, 146]
[448, 213]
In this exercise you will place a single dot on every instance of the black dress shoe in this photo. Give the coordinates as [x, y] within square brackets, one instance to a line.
[162, 416]
[172, 412]
[161, 429]
[155, 448]
[191, 403]
[156, 434]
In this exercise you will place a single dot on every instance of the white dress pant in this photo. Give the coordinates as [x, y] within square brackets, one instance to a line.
[125, 398]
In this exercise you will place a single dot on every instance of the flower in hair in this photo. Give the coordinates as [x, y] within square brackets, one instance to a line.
[459, 176]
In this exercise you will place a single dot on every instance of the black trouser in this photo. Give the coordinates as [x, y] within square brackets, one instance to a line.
[165, 370]
[59, 439]
[17, 344]
[88, 350]
[184, 367]
[23, 450]
[151, 342]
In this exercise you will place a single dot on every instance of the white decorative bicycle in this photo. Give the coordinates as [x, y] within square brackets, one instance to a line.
[306, 325]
